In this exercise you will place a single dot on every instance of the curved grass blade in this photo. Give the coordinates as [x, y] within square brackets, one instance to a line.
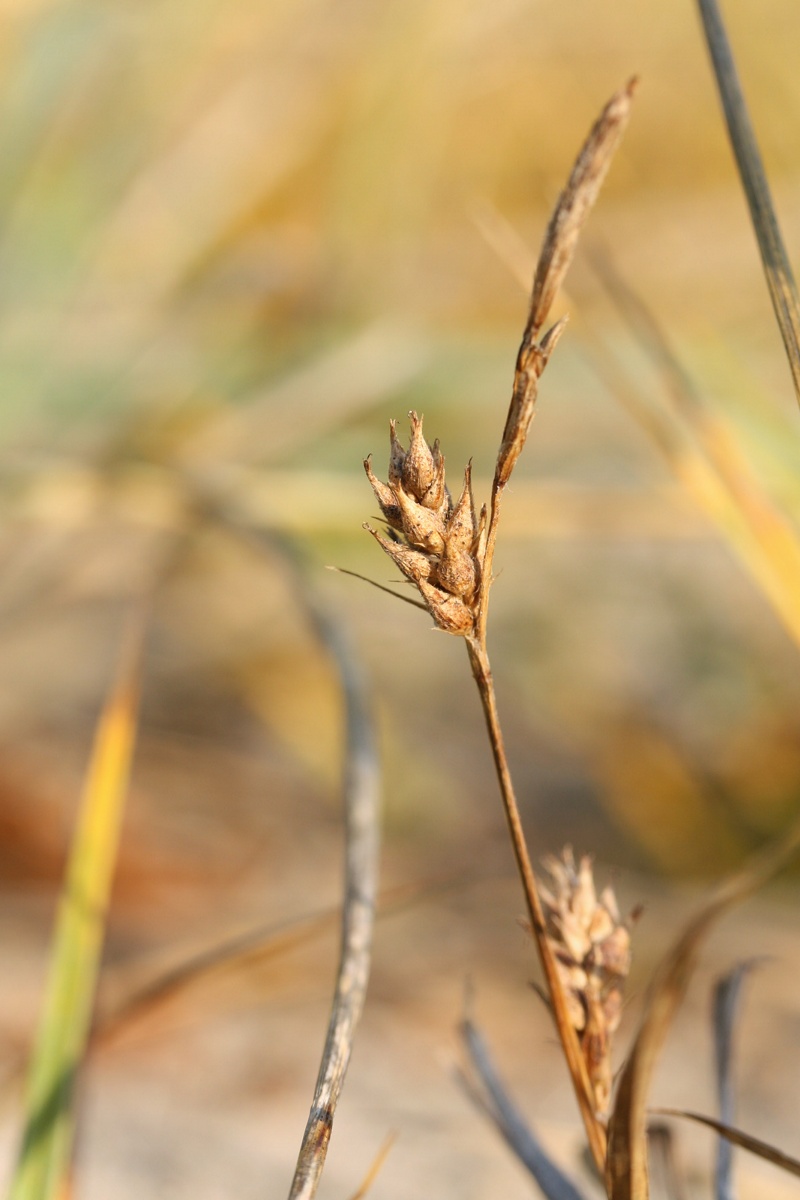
[626, 1172]
[739, 1138]
[375, 1168]
[361, 795]
[45, 1156]
[362, 839]
[780, 280]
[510, 1123]
[702, 450]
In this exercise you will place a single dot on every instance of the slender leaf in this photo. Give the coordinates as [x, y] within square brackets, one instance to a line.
[739, 1138]
[627, 1175]
[507, 1118]
[45, 1156]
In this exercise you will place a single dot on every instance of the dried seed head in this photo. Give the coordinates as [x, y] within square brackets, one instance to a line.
[442, 546]
[591, 944]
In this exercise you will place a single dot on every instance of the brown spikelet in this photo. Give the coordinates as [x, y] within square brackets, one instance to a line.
[457, 571]
[423, 528]
[591, 944]
[449, 612]
[439, 551]
[419, 467]
[462, 525]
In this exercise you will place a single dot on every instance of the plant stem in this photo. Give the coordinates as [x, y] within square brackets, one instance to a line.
[482, 674]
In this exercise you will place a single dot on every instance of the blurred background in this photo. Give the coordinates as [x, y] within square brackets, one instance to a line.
[235, 239]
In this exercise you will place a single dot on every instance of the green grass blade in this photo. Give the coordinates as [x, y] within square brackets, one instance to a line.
[780, 280]
[45, 1156]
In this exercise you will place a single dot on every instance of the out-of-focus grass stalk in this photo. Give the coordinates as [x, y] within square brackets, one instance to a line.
[777, 268]
[45, 1155]
[703, 451]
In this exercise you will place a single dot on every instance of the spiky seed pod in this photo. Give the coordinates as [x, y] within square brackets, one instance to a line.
[415, 565]
[449, 612]
[423, 527]
[385, 497]
[442, 546]
[591, 944]
[419, 467]
[397, 455]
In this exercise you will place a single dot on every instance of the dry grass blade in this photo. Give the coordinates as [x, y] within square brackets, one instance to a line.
[627, 1176]
[703, 452]
[745, 1140]
[512, 1126]
[777, 268]
[260, 944]
[361, 797]
[44, 1162]
[726, 1003]
[375, 1168]
[356, 374]
[257, 944]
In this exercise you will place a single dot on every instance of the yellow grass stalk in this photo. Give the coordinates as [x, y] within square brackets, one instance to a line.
[44, 1163]
[703, 451]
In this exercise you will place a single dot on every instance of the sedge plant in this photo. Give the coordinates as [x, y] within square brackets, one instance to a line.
[446, 549]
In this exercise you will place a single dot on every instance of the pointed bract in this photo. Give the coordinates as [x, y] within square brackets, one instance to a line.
[462, 525]
[397, 455]
[450, 613]
[415, 565]
[385, 497]
[419, 468]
